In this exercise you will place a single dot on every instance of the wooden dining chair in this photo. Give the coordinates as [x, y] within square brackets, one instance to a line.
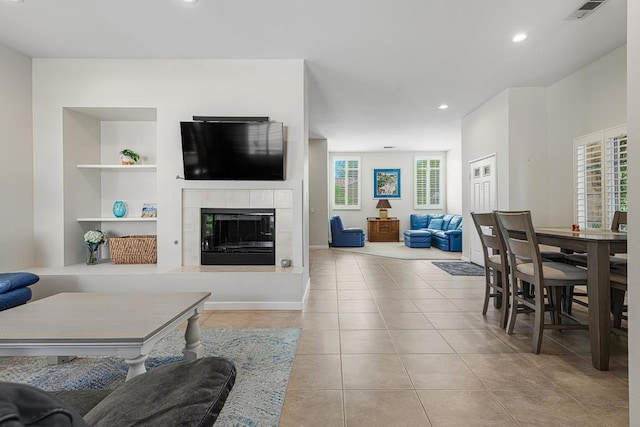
[618, 283]
[547, 279]
[496, 267]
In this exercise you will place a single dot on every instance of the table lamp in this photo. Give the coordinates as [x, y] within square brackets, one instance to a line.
[383, 205]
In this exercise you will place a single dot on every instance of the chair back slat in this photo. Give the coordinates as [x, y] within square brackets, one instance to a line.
[488, 231]
[520, 238]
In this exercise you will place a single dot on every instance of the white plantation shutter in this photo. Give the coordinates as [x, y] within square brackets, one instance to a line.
[589, 183]
[600, 166]
[434, 183]
[428, 182]
[616, 174]
[346, 182]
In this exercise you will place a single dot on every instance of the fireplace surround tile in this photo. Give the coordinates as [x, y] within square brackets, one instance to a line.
[284, 199]
[262, 199]
[238, 199]
[194, 199]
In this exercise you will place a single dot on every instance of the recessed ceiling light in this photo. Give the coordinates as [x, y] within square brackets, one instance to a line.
[443, 106]
[190, 1]
[519, 38]
[16, 1]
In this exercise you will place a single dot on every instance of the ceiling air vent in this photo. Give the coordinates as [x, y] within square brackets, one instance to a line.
[585, 10]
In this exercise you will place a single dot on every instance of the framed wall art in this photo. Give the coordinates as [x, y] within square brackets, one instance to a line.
[386, 183]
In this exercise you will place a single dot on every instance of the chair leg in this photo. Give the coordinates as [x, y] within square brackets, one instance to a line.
[538, 327]
[513, 309]
[617, 306]
[497, 277]
[555, 298]
[487, 289]
[506, 307]
[568, 299]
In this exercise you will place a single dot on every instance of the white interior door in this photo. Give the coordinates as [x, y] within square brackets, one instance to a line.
[482, 194]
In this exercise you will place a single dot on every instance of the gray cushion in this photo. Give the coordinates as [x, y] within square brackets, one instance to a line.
[82, 400]
[556, 271]
[189, 393]
[23, 405]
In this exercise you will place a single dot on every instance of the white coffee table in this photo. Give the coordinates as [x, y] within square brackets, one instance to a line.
[121, 324]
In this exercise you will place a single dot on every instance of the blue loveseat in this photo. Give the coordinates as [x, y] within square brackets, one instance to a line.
[446, 230]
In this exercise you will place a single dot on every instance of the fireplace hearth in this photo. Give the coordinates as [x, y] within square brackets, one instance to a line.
[237, 236]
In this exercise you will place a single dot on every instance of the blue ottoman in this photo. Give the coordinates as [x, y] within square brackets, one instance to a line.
[417, 238]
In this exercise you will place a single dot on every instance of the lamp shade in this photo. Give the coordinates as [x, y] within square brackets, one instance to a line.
[383, 204]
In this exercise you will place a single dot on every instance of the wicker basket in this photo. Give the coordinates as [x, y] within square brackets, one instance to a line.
[134, 249]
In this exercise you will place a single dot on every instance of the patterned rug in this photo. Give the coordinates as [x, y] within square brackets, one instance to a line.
[263, 359]
[461, 268]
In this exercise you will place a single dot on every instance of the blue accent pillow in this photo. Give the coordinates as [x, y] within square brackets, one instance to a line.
[419, 221]
[455, 223]
[10, 281]
[436, 224]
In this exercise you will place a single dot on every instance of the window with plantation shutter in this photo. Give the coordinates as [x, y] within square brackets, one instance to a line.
[346, 182]
[600, 166]
[428, 172]
[615, 146]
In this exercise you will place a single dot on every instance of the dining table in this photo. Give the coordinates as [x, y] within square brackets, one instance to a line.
[598, 245]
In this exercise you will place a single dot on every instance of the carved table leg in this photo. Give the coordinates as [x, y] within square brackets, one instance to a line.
[136, 366]
[193, 348]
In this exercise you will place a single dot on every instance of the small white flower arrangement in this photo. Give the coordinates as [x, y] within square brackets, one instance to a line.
[94, 238]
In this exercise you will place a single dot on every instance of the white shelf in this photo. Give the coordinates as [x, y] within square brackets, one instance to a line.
[119, 168]
[114, 219]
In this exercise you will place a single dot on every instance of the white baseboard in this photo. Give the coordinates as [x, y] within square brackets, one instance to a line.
[252, 305]
[319, 246]
[464, 258]
[307, 288]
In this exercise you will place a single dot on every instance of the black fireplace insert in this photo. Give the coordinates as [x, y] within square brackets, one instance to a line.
[238, 236]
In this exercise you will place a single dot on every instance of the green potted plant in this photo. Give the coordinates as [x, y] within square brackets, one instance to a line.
[129, 157]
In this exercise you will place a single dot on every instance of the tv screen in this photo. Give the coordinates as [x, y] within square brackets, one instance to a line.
[243, 151]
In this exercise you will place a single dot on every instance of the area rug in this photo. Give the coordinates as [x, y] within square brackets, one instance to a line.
[399, 250]
[460, 268]
[263, 359]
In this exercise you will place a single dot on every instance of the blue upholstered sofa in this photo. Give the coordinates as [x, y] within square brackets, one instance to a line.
[14, 288]
[345, 237]
[446, 230]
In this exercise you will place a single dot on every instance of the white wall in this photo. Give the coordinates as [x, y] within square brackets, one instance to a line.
[485, 131]
[177, 89]
[591, 99]
[318, 190]
[454, 180]
[400, 208]
[16, 162]
[633, 128]
[528, 152]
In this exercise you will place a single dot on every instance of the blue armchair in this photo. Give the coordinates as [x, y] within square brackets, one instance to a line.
[345, 237]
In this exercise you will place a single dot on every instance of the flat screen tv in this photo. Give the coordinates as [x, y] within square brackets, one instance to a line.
[242, 151]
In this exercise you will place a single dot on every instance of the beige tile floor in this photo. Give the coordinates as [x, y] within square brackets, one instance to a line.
[388, 342]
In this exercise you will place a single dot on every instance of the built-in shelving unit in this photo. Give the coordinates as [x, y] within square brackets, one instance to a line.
[95, 177]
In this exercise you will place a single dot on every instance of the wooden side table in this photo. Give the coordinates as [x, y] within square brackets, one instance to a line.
[383, 230]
